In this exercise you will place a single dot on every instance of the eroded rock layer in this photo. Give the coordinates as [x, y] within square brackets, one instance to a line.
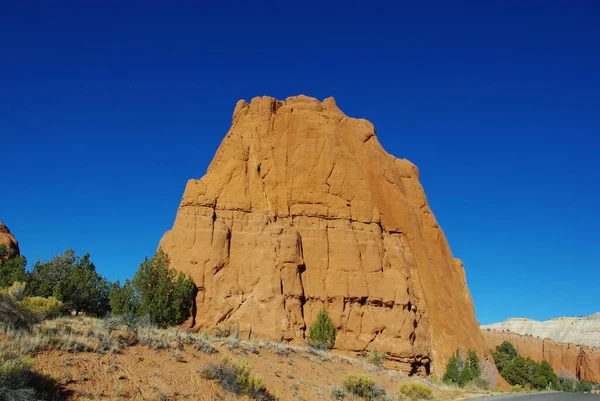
[302, 208]
[567, 359]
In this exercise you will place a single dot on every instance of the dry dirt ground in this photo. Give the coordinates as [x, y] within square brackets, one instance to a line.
[89, 364]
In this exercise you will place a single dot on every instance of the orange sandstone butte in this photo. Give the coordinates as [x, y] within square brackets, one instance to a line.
[7, 239]
[300, 209]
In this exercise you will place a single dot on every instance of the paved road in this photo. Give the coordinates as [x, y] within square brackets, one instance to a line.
[543, 397]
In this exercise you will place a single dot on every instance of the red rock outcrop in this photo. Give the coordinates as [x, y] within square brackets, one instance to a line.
[302, 208]
[567, 359]
[7, 239]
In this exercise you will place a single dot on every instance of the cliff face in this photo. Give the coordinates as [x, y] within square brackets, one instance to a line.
[8, 240]
[567, 359]
[579, 330]
[301, 208]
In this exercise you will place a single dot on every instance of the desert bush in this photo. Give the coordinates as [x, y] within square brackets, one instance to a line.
[336, 393]
[488, 377]
[15, 378]
[11, 316]
[517, 388]
[225, 329]
[567, 384]
[584, 386]
[42, 308]
[376, 358]
[205, 346]
[322, 333]
[360, 385]
[235, 376]
[415, 391]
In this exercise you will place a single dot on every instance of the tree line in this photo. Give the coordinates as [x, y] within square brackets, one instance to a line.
[156, 290]
[526, 373]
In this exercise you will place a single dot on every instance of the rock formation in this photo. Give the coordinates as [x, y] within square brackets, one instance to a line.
[579, 330]
[567, 359]
[301, 208]
[8, 240]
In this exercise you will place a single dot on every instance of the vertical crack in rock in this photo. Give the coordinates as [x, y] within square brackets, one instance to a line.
[301, 209]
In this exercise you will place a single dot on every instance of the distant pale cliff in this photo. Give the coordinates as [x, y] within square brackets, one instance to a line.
[579, 330]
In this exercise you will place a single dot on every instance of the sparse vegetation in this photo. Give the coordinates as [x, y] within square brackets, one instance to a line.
[235, 376]
[362, 386]
[322, 333]
[416, 391]
[225, 328]
[376, 358]
[19, 383]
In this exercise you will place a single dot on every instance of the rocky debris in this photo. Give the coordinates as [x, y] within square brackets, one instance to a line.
[7, 239]
[302, 208]
[567, 359]
[579, 330]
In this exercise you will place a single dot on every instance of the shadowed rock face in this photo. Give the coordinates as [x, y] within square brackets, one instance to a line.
[7, 239]
[567, 359]
[302, 208]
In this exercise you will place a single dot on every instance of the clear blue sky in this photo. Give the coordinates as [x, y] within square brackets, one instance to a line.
[108, 108]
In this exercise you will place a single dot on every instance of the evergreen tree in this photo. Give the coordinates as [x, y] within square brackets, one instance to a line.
[123, 299]
[74, 281]
[465, 376]
[164, 295]
[12, 267]
[473, 363]
[322, 333]
[452, 372]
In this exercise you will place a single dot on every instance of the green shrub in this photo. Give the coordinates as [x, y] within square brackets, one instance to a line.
[584, 386]
[517, 388]
[416, 391]
[360, 385]
[42, 308]
[567, 385]
[322, 333]
[376, 358]
[235, 376]
[12, 317]
[15, 377]
[337, 393]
